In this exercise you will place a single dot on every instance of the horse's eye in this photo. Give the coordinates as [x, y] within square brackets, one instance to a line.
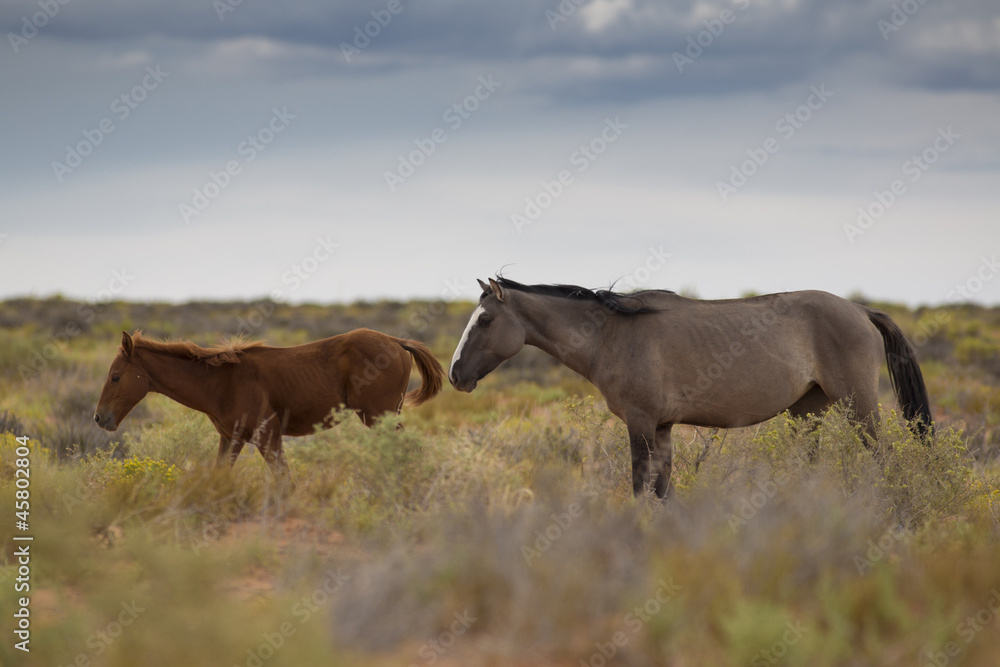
[116, 378]
[484, 320]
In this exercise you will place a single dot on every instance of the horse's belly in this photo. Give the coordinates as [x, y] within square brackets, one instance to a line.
[306, 423]
[734, 404]
[731, 419]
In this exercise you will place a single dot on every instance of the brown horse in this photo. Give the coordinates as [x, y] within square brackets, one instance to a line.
[661, 359]
[253, 392]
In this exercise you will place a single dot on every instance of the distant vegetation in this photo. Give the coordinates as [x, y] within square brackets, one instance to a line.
[496, 527]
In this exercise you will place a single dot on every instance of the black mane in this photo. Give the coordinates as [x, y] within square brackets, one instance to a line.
[617, 302]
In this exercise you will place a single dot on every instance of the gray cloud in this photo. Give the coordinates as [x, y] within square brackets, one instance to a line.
[600, 49]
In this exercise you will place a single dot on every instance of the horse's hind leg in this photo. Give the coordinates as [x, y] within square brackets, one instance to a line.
[864, 413]
[814, 402]
[274, 455]
[385, 392]
[376, 407]
[862, 410]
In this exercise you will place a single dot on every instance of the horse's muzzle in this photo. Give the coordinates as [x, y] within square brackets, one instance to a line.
[107, 422]
[466, 386]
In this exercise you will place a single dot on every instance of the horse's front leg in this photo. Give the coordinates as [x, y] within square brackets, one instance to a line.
[663, 456]
[229, 449]
[641, 442]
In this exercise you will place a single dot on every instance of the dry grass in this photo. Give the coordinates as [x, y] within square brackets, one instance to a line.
[496, 528]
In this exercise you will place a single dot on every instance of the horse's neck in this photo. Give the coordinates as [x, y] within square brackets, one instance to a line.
[186, 381]
[570, 331]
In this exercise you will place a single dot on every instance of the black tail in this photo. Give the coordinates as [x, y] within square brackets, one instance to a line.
[904, 372]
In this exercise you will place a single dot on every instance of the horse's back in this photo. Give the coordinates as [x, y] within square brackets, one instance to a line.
[836, 326]
[359, 342]
[739, 361]
[786, 314]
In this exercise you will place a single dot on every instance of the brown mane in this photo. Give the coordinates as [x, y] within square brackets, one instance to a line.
[226, 353]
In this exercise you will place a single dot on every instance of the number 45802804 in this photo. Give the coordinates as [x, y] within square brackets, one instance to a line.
[22, 475]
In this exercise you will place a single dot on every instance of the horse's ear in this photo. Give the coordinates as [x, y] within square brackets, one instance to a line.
[127, 345]
[496, 289]
[486, 288]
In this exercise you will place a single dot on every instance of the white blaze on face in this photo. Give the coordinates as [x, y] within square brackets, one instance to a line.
[465, 337]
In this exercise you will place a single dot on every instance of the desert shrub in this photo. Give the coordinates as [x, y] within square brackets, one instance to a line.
[979, 351]
[509, 509]
[76, 437]
[907, 479]
[364, 479]
[25, 354]
[609, 454]
[139, 471]
[189, 440]
[550, 573]
[368, 476]
[133, 485]
[71, 395]
[923, 480]
[9, 423]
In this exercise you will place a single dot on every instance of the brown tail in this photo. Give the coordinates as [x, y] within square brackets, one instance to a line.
[430, 371]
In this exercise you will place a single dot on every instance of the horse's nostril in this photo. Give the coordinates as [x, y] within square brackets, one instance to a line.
[97, 418]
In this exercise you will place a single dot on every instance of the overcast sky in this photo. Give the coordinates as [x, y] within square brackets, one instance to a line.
[321, 151]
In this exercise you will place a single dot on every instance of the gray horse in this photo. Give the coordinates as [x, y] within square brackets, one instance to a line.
[661, 359]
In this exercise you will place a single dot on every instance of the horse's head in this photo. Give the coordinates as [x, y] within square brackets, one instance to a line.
[493, 335]
[126, 385]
